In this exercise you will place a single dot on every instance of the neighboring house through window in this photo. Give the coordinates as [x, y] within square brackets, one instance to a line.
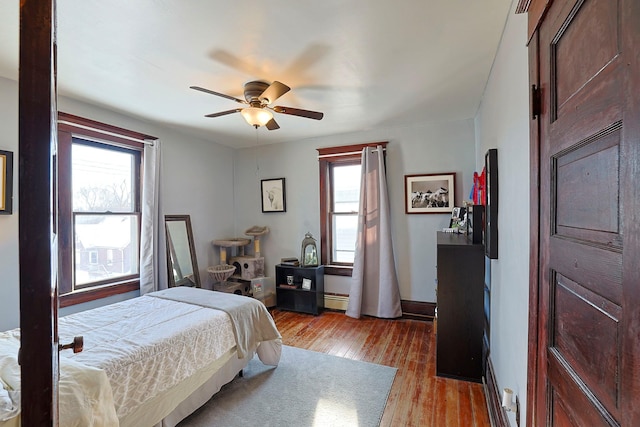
[98, 192]
[339, 201]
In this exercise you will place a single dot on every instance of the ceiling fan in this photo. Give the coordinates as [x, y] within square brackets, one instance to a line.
[258, 96]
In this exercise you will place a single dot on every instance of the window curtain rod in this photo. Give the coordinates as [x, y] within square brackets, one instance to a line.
[350, 153]
[105, 132]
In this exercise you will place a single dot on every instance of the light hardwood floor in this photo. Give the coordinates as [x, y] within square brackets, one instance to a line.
[418, 397]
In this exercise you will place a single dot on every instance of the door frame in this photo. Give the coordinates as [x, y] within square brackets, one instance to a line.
[536, 10]
[38, 285]
[534, 235]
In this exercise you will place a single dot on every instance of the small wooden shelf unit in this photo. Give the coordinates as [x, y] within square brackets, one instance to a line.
[298, 299]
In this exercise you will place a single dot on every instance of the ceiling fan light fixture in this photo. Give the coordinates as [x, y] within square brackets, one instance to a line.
[255, 116]
[258, 96]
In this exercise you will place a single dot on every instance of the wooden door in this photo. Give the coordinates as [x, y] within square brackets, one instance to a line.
[38, 287]
[588, 351]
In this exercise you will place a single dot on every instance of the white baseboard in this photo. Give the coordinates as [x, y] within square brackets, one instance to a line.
[336, 302]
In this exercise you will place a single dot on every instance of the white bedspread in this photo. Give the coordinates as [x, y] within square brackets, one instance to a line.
[141, 349]
[146, 354]
[85, 394]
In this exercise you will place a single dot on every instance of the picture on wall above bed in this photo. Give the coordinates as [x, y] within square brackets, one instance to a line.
[273, 195]
[429, 193]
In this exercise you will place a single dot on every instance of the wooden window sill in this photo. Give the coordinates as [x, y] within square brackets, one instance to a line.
[338, 270]
[73, 298]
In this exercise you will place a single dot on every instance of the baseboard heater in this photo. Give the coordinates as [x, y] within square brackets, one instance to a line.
[336, 302]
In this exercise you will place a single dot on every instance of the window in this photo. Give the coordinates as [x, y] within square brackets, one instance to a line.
[105, 211]
[93, 259]
[98, 215]
[343, 211]
[339, 202]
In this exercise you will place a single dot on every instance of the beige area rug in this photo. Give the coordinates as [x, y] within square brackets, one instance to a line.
[306, 389]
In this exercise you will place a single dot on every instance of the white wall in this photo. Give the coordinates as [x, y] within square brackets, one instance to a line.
[502, 122]
[425, 148]
[9, 291]
[197, 179]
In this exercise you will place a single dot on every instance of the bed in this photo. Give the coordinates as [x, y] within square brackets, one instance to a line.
[148, 361]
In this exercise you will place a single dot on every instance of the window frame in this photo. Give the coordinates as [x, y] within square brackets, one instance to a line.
[70, 127]
[327, 159]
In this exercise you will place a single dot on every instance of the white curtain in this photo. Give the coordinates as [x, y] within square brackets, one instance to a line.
[374, 283]
[150, 228]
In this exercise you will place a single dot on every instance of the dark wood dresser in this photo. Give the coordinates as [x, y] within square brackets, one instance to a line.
[460, 319]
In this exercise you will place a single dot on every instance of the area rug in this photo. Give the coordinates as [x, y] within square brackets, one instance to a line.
[307, 389]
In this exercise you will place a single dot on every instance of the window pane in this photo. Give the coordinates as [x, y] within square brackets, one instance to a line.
[106, 247]
[102, 179]
[344, 237]
[346, 188]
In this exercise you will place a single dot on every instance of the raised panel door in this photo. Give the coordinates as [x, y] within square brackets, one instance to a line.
[587, 372]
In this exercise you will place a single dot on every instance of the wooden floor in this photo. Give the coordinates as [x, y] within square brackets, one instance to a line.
[418, 397]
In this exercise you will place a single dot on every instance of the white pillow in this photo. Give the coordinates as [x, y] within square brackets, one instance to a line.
[9, 374]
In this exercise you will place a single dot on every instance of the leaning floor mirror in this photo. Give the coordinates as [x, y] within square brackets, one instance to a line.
[181, 255]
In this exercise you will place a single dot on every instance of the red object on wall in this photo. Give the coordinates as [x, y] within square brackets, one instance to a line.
[479, 187]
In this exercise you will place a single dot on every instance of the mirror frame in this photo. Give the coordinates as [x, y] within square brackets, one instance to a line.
[194, 261]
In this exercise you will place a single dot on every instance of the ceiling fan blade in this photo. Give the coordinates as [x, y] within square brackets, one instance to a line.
[201, 89]
[298, 112]
[272, 125]
[274, 91]
[224, 113]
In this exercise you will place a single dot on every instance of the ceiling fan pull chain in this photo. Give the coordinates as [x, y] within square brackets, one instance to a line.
[256, 153]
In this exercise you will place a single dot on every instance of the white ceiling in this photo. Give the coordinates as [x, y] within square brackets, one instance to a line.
[365, 63]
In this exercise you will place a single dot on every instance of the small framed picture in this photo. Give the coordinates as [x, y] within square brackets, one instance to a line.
[458, 218]
[306, 284]
[273, 195]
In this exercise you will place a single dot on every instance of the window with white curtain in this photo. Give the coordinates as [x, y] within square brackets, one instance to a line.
[98, 188]
[339, 202]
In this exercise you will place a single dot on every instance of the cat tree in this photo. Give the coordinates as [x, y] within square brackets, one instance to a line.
[242, 267]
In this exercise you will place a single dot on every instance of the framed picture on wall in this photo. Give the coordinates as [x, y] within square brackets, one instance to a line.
[6, 182]
[429, 193]
[273, 195]
[491, 204]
